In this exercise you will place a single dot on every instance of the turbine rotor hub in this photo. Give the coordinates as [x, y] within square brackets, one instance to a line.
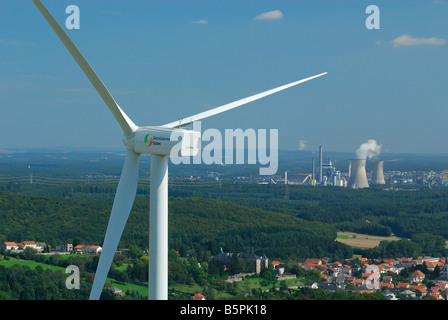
[163, 141]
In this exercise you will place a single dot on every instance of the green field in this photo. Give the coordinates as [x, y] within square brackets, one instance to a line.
[31, 264]
[124, 286]
[143, 290]
[362, 240]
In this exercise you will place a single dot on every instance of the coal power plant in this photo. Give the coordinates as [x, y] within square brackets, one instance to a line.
[326, 174]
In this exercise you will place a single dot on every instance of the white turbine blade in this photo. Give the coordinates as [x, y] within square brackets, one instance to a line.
[126, 124]
[124, 199]
[226, 107]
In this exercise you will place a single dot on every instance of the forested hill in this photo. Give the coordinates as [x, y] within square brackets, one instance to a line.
[209, 223]
[212, 222]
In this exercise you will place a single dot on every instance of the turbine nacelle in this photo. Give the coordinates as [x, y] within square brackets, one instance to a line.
[163, 141]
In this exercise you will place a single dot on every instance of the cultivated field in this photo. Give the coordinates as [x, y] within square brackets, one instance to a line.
[362, 240]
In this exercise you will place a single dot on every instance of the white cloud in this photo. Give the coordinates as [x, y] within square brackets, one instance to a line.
[302, 144]
[406, 40]
[271, 15]
[200, 21]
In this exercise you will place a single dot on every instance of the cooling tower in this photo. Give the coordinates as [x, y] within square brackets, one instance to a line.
[377, 173]
[358, 176]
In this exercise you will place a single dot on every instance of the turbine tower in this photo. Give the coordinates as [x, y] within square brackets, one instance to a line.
[160, 142]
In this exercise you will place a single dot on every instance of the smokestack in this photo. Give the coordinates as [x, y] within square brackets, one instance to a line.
[320, 164]
[377, 174]
[313, 174]
[358, 176]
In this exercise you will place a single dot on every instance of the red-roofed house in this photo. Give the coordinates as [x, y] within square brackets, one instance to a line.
[275, 263]
[442, 286]
[389, 285]
[81, 248]
[416, 277]
[10, 245]
[346, 268]
[430, 265]
[372, 275]
[436, 296]
[313, 262]
[420, 291]
[29, 244]
[198, 296]
[434, 289]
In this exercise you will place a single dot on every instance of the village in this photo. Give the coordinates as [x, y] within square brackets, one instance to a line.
[42, 247]
[400, 278]
[360, 276]
[396, 279]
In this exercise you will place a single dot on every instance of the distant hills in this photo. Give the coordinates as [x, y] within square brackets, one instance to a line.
[75, 162]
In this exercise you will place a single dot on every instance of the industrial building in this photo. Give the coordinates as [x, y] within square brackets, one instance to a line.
[328, 175]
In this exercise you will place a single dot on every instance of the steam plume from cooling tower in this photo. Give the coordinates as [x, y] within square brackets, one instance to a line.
[368, 150]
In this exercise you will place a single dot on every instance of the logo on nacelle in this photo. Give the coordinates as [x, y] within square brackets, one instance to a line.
[148, 140]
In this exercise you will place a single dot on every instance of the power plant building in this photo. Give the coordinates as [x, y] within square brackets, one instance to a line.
[325, 174]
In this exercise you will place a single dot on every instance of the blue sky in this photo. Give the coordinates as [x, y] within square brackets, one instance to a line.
[164, 60]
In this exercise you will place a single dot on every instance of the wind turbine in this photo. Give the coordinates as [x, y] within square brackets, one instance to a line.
[159, 142]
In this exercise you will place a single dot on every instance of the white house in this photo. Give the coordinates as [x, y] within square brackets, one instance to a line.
[311, 285]
[416, 277]
[81, 248]
[10, 245]
[29, 244]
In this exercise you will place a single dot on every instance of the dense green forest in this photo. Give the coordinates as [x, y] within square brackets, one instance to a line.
[23, 283]
[213, 224]
[276, 220]
[380, 211]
